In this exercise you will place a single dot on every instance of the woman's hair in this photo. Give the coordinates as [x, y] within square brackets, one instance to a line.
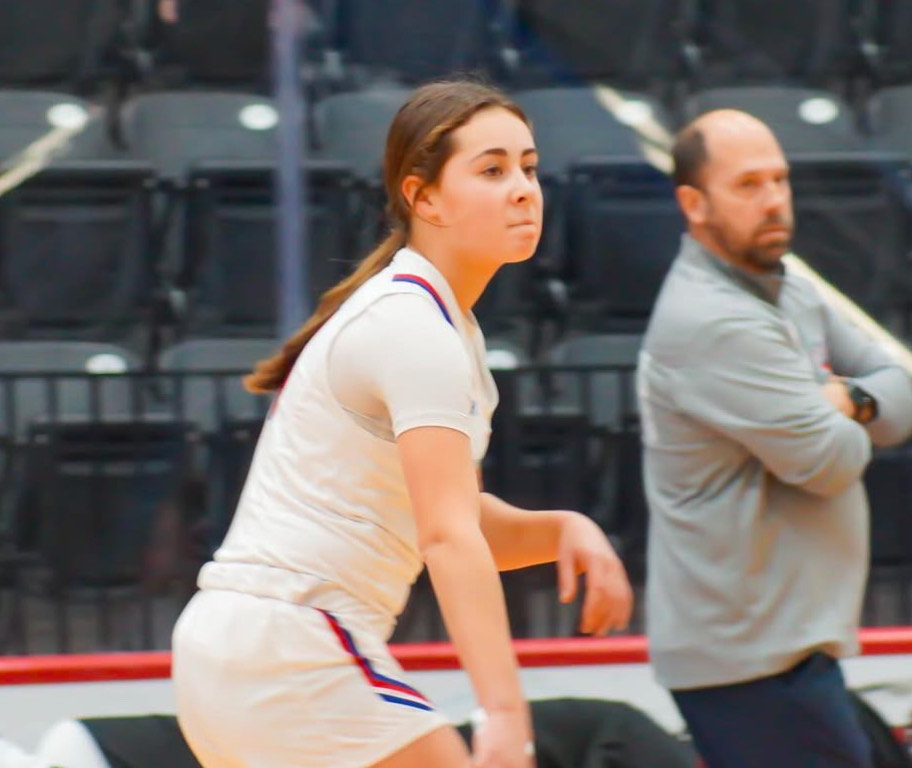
[419, 142]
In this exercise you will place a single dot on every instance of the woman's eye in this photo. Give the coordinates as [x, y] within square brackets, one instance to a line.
[494, 170]
[531, 170]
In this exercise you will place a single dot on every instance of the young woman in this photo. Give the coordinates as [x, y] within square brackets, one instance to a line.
[367, 469]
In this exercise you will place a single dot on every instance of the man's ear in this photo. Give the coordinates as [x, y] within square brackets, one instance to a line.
[692, 202]
[420, 199]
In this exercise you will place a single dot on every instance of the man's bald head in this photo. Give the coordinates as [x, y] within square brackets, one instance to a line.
[719, 130]
[733, 188]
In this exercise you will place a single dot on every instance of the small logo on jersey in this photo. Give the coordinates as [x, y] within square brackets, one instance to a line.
[473, 407]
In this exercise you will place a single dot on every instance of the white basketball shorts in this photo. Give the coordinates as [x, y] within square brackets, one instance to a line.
[262, 683]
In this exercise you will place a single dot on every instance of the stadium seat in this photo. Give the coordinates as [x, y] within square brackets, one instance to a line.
[623, 230]
[105, 494]
[74, 237]
[413, 41]
[212, 43]
[29, 116]
[628, 43]
[852, 224]
[803, 42]
[350, 129]
[87, 470]
[42, 382]
[230, 235]
[884, 27]
[803, 119]
[174, 130]
[59, 44]
[83, 382]
[890, 111]
[203, 379]
[573, 123]
[202, 382]
[594, 374]
[536, 458]
[74, 253]
[593, 147]
[888, 481]
[218, 150]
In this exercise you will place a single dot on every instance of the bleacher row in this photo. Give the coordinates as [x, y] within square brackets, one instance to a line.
[87, 45]
[116, 482]
[176, 234]
[156, 221]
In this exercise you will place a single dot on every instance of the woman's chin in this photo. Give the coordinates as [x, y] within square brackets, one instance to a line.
[523, 253]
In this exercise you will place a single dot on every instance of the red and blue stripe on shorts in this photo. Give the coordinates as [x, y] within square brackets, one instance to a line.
[393, 691]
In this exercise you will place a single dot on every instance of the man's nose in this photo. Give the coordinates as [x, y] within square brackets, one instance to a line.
[776, 196]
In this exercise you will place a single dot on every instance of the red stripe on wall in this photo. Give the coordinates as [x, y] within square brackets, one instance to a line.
[73, 668]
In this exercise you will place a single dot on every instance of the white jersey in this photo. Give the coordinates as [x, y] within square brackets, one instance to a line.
[325, 505]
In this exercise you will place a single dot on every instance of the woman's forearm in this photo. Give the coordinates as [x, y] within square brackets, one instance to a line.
[471, 599]
[520, 537]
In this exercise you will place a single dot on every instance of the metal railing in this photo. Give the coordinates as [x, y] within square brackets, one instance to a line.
[114, 489]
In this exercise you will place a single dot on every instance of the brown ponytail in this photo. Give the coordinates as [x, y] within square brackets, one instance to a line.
[418, 143]
[269, 374]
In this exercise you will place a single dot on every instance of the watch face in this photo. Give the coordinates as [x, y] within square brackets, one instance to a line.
[857, 396]
[865, 405]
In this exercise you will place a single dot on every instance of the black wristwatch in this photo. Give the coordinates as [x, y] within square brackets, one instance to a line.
[865, 404]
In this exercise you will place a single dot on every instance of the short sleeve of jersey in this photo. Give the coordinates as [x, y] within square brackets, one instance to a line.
[400, 361]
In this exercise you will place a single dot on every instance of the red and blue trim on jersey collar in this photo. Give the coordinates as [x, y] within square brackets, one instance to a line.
[386, 688]
[404, 277]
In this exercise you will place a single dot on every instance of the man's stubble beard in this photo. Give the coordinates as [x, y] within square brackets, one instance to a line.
[758, 257]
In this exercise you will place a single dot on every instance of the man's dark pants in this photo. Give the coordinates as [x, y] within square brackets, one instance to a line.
[801, 718]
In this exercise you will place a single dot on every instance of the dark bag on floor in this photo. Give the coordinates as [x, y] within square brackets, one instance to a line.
[888, 751]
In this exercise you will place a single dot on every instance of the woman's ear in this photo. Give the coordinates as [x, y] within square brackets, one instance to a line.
[419, 199]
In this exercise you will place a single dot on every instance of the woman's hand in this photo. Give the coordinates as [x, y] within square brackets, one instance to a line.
[503, 739]
[584, 549]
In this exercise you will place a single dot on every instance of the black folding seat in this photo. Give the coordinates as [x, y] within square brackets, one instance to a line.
[91, 469]
[885, 27]
[75, 221]
[202, 383]
[612, 225]
[58, 44]
[412, 41]
[594, 375]
[890, 113]
[808, 42]
[211, 43]
[30, 115]
[852, 224]
[626, 43]
[218, 152]
[803, 119]
[350, 128]
[887, 481]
